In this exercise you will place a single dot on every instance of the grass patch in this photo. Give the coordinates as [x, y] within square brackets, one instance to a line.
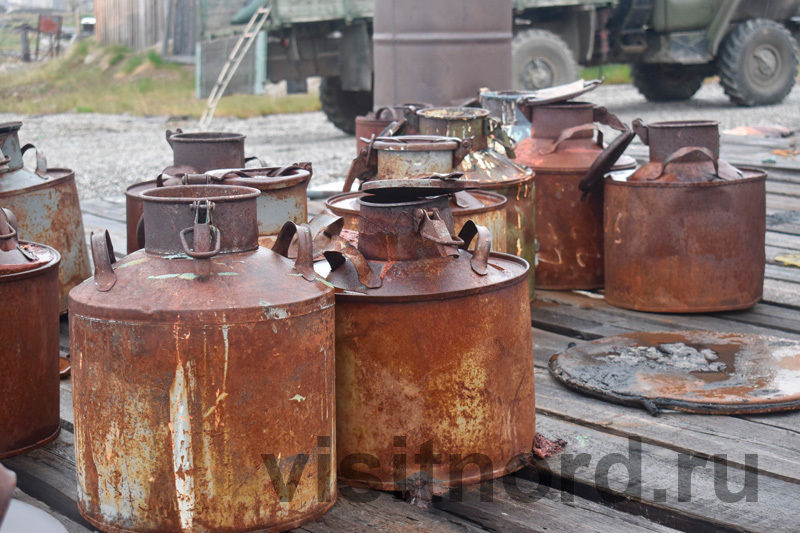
[93, 79]
[614, 74]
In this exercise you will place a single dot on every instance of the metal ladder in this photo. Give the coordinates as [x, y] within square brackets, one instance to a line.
[229, 69]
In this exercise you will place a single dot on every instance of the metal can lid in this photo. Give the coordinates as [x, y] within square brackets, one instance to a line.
[16, 256]
[416, 143]
[560, 93]
[605, 162]
[9, 127]
[421, 186]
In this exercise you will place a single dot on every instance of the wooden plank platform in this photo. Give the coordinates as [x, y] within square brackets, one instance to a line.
[622, 470]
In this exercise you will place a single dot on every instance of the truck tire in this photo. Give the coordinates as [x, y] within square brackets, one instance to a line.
[757, 63]
[540, 59]
[342, 107]
[666, 82]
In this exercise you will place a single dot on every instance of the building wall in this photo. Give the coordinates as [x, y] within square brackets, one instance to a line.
[139, 24]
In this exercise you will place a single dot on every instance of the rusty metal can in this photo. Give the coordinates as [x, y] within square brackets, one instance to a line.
[207, 150]
[496, 171]
[283, 196]
[434, 375]
[191, 358]
[375, 122]
[45, 202]
[29, 413]
[569, 224]
[685, 233]
[191, 153]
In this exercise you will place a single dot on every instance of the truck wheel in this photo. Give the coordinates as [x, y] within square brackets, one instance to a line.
[342, 107]
[757, 63]
[540, 59]
[663, 83]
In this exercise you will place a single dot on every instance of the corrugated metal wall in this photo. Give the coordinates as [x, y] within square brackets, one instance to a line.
[139, 24]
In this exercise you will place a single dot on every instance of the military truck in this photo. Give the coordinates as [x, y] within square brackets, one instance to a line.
[671, 45]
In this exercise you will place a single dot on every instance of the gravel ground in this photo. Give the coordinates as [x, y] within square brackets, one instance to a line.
[110, 152]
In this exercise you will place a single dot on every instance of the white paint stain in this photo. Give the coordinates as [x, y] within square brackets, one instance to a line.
[297, 398]
[182, 461]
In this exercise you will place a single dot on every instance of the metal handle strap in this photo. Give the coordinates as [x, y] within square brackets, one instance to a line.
[683, 152]
[434, 229]
[641, 130]
[171, 133]
[304, 263]
[496, 132]
[364, 165]
[483, 246]
[103, 257]
[41, 160]
[566, 135]
[261, 162]
[339, 251]
[204, 233]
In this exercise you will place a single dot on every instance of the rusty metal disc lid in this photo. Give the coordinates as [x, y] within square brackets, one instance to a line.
[19, 256]
[692, 371]
[560, 93]
[263, 179]
[416, 143]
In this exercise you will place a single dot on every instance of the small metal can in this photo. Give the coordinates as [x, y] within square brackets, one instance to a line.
[29, 414]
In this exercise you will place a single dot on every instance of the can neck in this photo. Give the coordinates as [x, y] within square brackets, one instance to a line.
[666, 139]
[406, 231]
[547, 122]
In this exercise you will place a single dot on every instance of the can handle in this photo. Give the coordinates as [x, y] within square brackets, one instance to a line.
[4, 160]
[103, 257]
[391, 110]
[462, 150]
[683, 152]
[494, 129]
[483, 246]
[433, 228]
[170, 133]
[304, 263]
[569, 133]
[261, 162]
[641, 130]
[41, 160]
[203, 233]
[339, 250]
[363, 166]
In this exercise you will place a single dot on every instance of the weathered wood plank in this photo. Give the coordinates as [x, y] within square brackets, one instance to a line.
[589, 317]
[655, 489]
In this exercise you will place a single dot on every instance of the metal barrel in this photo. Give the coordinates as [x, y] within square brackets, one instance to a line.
[207, 150]
[425, 353]
[29, 415]
[440, 52]
[203, 374]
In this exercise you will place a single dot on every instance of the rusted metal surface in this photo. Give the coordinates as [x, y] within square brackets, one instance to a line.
[686, 232]
[411, 271]
[440, 52]
[502, 106]
[283, 196]
[207, 150]
[203, 370]
[45, 202]
[484, 208]
[8, 481]
[29, 413]
[693, 371]
[569, 226]
[496, 172]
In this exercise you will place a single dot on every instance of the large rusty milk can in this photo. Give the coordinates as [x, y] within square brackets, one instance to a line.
[433, 350]
[685, 233]
[191, 153]
[409, 156]
[569, 225]
[45, 202]
[495, 171]
[283, 194]
[203, 369]
[29, 414]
